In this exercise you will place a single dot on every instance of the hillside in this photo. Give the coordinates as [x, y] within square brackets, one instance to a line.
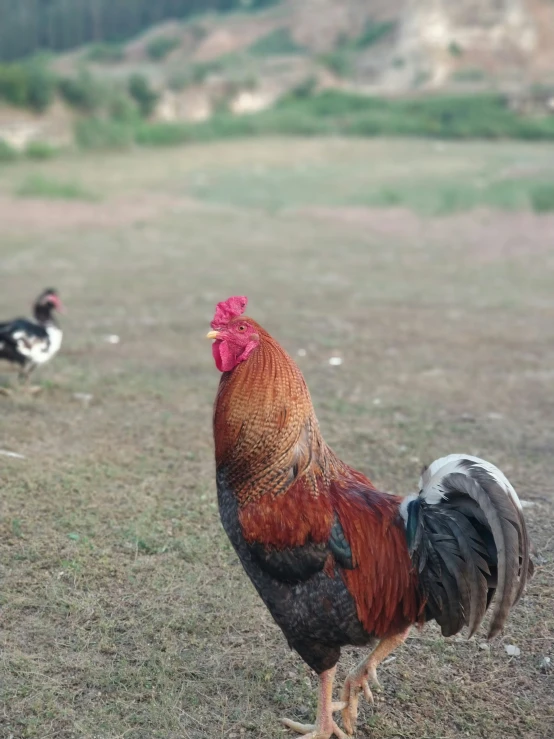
[32, 26]
[246, 61]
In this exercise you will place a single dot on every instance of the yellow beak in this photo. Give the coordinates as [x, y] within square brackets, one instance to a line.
[212, 335]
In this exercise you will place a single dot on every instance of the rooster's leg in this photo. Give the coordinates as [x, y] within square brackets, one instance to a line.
[362, 675]
[324, 727]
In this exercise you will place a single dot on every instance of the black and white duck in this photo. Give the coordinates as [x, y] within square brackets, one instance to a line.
[29, 343]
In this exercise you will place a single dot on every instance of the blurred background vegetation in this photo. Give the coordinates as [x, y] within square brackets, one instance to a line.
[27, 26]
[108, 74]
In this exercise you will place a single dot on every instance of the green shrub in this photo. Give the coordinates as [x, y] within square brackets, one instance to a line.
[95, 133]
[41, 88]
[469, 74]
[199, 71]
[121, 107]
[334, 102]
[289, 121]
[455, 49]
[221, 126]
[83, 92]
[7, 153]
[13, 84]
[40, 150]
[278, 42]
[105, 53]
[446, 116]
[36, 186]
[30, 85]
[334, 112]
[389, 198]
[232, 64]
[145, 97]
[161, 46]
[373, 33]
[178, 80]
[304, 89]
[542, 197]
[162, 134]
[339, 62]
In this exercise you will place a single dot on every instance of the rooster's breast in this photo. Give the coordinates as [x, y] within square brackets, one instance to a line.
[316, 615]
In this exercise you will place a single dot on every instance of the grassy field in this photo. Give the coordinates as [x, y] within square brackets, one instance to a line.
[124, 611]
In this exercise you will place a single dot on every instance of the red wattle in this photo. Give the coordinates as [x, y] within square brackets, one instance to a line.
[224, 358]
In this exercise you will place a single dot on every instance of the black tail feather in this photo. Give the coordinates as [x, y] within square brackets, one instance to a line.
[467, 547]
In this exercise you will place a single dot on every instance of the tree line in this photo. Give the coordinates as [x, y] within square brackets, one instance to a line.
[28, 26]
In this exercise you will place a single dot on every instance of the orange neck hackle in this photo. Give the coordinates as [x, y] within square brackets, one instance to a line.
[266, 432]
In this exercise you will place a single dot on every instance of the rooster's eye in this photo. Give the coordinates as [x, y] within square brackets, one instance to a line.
[241, 328]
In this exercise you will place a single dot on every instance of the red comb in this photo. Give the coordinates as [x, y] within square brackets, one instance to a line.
[228, 309]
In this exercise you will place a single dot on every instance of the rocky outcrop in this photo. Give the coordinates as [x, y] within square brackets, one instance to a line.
[437, 38]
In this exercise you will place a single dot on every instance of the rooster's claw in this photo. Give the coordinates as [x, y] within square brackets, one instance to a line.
[314, 731]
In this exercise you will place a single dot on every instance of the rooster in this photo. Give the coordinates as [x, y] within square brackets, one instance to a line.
[336, 561]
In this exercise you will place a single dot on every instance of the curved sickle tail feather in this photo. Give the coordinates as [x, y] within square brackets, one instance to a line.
[468, 542]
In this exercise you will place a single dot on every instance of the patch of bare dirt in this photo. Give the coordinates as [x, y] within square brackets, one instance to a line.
[230, 37]
[484, 235]
[37, 215]
[18, 127]
[137, 50]
[320, 24]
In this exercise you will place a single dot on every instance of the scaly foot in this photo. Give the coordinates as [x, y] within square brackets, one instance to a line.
[358, 681]
[364, 674]
[325, 726]
[322, 730]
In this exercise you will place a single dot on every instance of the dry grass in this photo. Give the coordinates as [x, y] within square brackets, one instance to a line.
[124, 610]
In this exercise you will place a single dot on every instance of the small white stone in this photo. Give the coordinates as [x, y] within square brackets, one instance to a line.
[112, 339]
[14, 455]
[376, 401]
[545, 664]
[335, 361]
[512, 650]
[301, 352]
[84, 398]
[484, 646]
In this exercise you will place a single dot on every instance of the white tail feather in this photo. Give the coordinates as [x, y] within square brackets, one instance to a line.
[429, 482]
